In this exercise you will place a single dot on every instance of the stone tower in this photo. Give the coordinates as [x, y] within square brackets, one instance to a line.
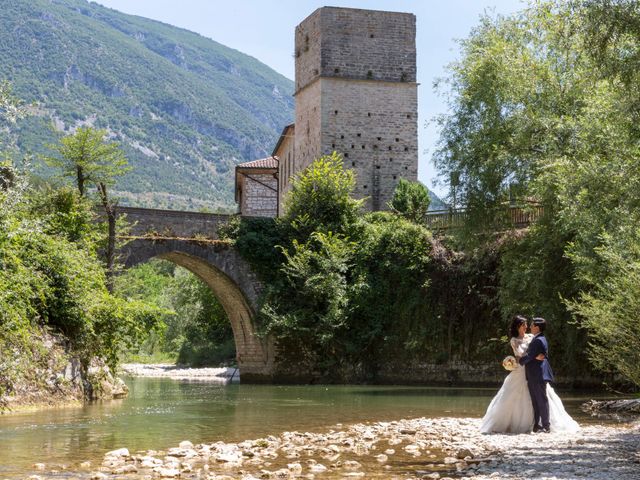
[356, 93]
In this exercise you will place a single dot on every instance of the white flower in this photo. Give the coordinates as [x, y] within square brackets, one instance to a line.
[510, 363]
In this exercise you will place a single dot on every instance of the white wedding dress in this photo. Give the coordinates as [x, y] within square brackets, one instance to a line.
[511, 410]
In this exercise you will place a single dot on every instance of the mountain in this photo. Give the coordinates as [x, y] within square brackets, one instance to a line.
[436, 202]
[185, 108]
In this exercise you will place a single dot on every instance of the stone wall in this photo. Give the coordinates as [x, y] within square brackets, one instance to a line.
[286, 154]
[172, 223]
[308, 137]
[259, 194]
[357, 44]
[373, 124]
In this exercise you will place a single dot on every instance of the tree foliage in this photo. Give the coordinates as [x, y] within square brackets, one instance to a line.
[88, 157]
[411, 200]
[51, 278]
[545, 108]
[320, 198]
[196, 330]
[346, 299]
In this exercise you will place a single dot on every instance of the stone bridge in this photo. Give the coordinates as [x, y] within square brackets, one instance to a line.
[189, 239]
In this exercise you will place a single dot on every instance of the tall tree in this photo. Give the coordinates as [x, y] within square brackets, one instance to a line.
[545, 107]
[89, 157]
[411, 200]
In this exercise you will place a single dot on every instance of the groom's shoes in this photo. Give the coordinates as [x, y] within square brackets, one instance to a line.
[539, 429]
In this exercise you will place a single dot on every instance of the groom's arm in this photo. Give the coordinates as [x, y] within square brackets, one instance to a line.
[535, 348]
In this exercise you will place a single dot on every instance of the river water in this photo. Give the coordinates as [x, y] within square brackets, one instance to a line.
[159, 413]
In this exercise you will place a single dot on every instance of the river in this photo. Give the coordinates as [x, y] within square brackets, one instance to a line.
[159, 413]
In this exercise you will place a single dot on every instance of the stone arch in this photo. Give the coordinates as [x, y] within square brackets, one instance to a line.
[230, 279]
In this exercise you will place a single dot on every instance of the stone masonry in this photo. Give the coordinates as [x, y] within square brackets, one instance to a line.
[172, 223]
[356, 93]
[257, 187]
[232, 282]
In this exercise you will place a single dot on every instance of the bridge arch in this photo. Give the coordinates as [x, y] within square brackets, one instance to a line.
[231, 280]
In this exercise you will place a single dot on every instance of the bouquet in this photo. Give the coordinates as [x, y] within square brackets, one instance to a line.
[510, 363]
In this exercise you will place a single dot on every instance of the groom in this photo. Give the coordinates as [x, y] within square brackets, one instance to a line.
[538, 372]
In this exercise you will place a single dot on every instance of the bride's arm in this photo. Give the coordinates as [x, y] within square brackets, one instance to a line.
[519, 348]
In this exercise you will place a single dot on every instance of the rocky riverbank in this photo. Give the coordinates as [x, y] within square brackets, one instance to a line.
[50, 375]
[168, 370]
[404, 449]
[623, 409]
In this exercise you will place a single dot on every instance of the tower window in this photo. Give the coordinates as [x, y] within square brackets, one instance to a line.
[353, 164]
[371, 36]
[346, 155]
[379, 138]
[335, 112]
[365, 186]
[369, 114]
[406, 149]
[363, 147]
[333, 145]
[391, 159]
[408, 116]
[336, 70]
[353, 146]
[394, 177]
[375, 147]
[390, 147]
[359, 135]
[397, 139]
[377, 167]
[342, 137]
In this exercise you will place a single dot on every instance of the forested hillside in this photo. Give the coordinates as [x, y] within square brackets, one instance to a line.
[185, 108]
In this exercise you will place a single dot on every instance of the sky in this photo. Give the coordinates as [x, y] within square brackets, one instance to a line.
[264, 29]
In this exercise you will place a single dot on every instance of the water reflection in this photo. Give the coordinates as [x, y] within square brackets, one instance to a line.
[159, 413]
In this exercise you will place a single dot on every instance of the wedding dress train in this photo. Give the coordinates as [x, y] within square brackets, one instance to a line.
[511, 411]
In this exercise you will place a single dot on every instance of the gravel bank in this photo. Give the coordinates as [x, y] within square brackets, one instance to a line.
[404, 449]
[221, 374]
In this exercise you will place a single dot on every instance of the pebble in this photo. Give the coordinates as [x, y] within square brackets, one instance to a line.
[121, 452]
[454, 447]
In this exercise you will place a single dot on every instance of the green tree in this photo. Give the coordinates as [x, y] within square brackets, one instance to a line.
[89, 157]
[411, 200]
[320, 198]
[11, 108]
[544, 108]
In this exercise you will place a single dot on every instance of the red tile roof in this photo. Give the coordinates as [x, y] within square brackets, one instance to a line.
[269, 162]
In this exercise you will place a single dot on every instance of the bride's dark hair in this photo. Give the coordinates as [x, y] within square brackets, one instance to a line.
[516, 321]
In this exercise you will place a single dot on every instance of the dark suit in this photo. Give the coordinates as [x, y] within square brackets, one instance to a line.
[538, 375]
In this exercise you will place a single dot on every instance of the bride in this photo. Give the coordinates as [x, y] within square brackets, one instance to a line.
[511, 410]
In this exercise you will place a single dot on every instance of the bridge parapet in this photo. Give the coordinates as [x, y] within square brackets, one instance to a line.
[173, 223]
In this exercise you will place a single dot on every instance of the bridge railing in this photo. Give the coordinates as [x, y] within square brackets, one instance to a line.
[519, 217]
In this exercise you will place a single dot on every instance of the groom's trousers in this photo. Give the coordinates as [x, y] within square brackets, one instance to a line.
[538, 392]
